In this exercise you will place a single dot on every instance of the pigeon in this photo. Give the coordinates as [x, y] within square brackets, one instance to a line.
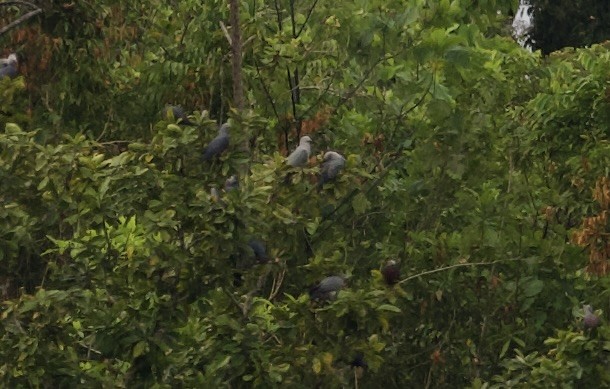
[359, 365]
[218, 144]
[391, 272]
[260, 251]
[328, 288]
[590, 319]
[214, 195]
[331, 166]
[300, 156]
[177, 113]
[359, 361]
[9, 67]
[231, 183]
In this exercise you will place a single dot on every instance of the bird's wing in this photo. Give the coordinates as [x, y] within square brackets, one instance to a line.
[335, 167]
[330, 170]
[216, 146]
[9, 71]
[298, 157]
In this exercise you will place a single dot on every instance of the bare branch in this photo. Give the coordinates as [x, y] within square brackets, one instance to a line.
[226, 33]
[266, 90]
[307, 18]
[21, 19]
[18, 2]
[440, 269]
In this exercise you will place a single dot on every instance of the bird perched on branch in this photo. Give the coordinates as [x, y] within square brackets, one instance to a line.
[259, 249]
[8, 67]
[590, 319]
[231, 183]
[218, 144]
[178, 114]
[391, 272]
[331, 166]
[328, 288]
[300, 156]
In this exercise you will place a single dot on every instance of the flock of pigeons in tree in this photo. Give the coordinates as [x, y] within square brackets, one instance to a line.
[333, 163]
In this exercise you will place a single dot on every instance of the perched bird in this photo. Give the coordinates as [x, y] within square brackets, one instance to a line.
[245, 259]
[177, 113]
[391, 272]
[590, 319]
[359, 365]
[218, 144]
[214, 195]
[331, 166]
[328, 288]
[300, 156]
[260, 251]
[231, 183]
[9, 67]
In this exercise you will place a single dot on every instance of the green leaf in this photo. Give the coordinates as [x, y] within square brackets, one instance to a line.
[140, 348]
[360, 204]
[532, 288]
[388, 307]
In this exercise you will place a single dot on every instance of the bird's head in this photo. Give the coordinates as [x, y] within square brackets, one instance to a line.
[588, 309]
[305, 140]
[224, 129]
[332, 155]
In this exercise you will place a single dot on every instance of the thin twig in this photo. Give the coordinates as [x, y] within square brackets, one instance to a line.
[226, 33]
[186, 27]
[20, 20]
[245, 308]
[266, 90]
[278, 13]
[306, 18]
[440, 269]
[277, 285]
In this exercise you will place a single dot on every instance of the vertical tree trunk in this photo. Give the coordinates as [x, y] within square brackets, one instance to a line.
[238, 85]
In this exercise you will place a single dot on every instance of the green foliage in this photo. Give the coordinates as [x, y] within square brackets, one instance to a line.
[468, 159]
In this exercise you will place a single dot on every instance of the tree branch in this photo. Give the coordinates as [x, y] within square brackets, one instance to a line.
[307, 18]
[266, 91]
[236, 43]
[440, 269]
[21, 19]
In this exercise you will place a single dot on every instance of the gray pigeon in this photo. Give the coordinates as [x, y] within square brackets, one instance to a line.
[231, 183]
[590, 319]
[391, 272]
[300, 156]
[218, 144]
[9, 67]
[214, 195]
[331, 166]
[178, 114]
[260, 251]
[328, 288]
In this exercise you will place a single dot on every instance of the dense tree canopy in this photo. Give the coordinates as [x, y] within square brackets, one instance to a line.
[478, 167]
[563, 23]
